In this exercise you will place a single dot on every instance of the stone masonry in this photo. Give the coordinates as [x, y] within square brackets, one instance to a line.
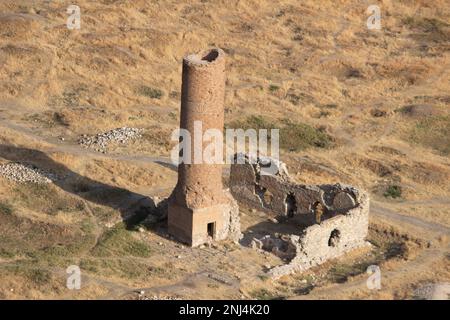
[329, 220]
[199, 209]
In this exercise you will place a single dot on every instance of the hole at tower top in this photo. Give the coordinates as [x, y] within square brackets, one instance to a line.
[211, 55]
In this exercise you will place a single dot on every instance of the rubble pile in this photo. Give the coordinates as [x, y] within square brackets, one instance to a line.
[99, 142]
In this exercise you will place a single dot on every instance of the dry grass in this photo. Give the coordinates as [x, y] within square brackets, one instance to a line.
[329, 84]
[433, 132]
[292, 136]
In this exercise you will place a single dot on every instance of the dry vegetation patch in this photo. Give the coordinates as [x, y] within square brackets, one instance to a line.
[293, 136]
[432, 132]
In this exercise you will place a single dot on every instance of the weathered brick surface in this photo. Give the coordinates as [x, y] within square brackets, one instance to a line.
[199, 198]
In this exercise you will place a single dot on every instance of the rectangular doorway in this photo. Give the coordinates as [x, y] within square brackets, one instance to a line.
[211, 229]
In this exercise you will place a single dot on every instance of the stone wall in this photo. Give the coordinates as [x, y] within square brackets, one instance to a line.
[331, 219]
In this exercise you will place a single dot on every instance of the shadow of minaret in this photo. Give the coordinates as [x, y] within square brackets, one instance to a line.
[133, 207]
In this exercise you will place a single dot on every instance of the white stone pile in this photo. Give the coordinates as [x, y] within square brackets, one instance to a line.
[21, 172]
[143, 296]
[99, 142]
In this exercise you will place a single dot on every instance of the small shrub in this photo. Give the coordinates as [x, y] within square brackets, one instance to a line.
[61, 119]
[175, 95]
[38, 276]
[173, 115]
[273, 88]
[377, 113]
[6, 254]
[323, 114]
[301, 136]
[263, 277]
[70, 99]
[6, 208]
[393, 191]
[71, 96]
[150, 92]
[294, 98]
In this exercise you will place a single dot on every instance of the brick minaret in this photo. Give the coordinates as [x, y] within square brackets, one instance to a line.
[200, 208]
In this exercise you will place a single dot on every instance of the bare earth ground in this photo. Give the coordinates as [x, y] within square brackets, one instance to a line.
[375, 105]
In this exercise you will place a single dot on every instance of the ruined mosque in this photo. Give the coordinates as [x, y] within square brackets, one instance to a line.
[320, 222]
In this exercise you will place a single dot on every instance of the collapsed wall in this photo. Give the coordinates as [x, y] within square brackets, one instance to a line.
[331, 219]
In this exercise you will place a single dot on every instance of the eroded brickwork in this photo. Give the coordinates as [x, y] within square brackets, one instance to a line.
[199, 209]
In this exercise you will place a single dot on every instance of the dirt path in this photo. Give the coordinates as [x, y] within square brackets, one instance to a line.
[377, 209]
[421, 263]
[74, 149]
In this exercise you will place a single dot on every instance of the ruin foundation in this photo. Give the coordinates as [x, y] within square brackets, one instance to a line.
[325, 221]
[199, 209]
